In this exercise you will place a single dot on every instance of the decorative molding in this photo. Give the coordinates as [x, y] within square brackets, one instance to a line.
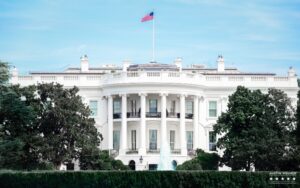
[163, 94]
[143, 94]
[182, 95]
[196, 97]
[224, 98]
[123, 95]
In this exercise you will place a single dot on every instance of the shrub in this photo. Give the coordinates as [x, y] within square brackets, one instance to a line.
[137, 179]
[203, 161]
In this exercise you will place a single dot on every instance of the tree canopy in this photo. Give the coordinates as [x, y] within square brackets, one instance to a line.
[42, 125]
[256, 130]
[203, 161]
[64, 123]
[4, 72]
[45, 125]
[94, 159]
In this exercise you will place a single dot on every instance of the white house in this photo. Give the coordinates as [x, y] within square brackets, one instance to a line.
[138, 107]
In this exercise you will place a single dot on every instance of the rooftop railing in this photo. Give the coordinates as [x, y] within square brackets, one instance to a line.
[159, 77]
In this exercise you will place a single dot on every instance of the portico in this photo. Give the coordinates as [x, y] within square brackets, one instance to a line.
[153, 114]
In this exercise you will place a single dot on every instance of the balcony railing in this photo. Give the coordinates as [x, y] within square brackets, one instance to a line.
[133, 114]
[153, 151]
[132, 151]
[153, 114]
[187, 115]
[117, 115]
[176, 151]
[172, 115]
[94, 79]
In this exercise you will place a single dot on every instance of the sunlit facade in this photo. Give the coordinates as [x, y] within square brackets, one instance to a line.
[138, 107]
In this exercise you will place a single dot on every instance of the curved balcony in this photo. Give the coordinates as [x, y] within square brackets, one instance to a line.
[152, 77]
[152, 115]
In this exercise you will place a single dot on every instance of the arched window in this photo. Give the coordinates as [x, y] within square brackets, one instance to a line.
[174, 164]
[132, 165]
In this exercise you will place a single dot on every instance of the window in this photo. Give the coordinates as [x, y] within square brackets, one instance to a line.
[189, 140]
[117, 106]
[212, 109]
[172, 140]
[116, 140]
[153, 105]
[174, 164]
[189, 107]
[94, 108]
[212, 141]
[133, 139]
[173, 107]
[153, 139]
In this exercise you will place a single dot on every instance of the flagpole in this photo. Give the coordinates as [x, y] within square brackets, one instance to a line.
[153, 40]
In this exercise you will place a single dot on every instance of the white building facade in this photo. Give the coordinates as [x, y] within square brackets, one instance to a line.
[139, 107]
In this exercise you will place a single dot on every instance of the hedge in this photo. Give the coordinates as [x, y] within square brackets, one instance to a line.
[138, 179]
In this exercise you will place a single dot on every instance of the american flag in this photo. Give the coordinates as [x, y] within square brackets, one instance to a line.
[148, 17]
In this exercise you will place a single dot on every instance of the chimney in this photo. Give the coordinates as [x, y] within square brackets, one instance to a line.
[221, 65]
[178, 63]
[126, 64]
[84, 63]
[292, 72]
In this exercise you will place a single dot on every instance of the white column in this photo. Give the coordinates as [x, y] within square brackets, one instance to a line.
[124, 125]
[163, 135]
[196, 123]
[203, 137]
[110, 121]
[182, 126]
[223, 104]
[142, 149]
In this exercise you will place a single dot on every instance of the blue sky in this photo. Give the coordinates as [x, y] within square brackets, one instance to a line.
[50, 35]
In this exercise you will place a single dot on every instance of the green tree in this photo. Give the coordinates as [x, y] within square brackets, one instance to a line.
[298, 119]
[297, 133]
[20, 141]
[192, 164]
[51, 127]
[203, 161]
[256, 130]
[65, 124]
[4, 72]
[94, 159]
[276, 140]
